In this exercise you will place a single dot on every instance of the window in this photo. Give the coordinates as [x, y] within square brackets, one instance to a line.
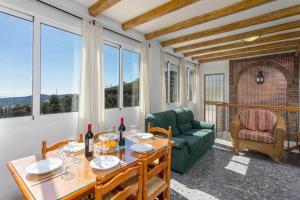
[121, 79]
[131, 78]
[190, 83]
[214, 93]
[16, 60]
[172, 82]
[60, 70]
[111, 62]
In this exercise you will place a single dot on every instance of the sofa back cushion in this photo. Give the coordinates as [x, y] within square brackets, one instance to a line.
[184, 119]
[163, 120]
[258, 120]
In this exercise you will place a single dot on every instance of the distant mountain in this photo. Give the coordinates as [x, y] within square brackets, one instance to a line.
[23, 100]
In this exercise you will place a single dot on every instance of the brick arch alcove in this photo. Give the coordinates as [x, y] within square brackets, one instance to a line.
[281, 87]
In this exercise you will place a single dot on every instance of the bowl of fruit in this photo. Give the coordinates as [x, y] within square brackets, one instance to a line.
[107, 143]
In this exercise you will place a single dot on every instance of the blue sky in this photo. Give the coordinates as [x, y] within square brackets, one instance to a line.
[60, 60]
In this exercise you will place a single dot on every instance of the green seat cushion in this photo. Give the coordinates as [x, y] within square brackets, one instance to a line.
[204, 134]
[194, 143]
[184, 118]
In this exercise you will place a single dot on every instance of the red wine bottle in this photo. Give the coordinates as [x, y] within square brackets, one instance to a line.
[89, 142]
[121, 129]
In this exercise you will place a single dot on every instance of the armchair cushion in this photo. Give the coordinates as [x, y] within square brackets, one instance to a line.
[258, 136]
[258, 120]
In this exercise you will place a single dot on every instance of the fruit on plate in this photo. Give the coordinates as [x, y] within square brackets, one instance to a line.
[107, 144]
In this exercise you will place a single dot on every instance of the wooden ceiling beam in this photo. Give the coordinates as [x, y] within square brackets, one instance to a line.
[159, 11]
[100, 6]
[249, 54]
[275, 15]
[248, 49]
[231, 9]
[263, 31]
[273, 38]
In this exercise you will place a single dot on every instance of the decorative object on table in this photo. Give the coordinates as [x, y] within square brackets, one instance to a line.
[107, 143]
[156, 180]
[193, 138]
[75, 147]
[145, 136]
[141, 148]
[104, 162]
[44, 166]
[259, 130]
[89, 142]
[121, 129]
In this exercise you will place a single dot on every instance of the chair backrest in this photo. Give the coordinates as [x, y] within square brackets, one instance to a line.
[133, 188]
[58, 144]
[258, 120]
[163, 168]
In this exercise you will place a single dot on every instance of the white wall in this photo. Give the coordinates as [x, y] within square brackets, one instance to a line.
[214, 68]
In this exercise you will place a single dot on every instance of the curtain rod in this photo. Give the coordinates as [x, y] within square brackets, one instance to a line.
[179, 57]
[81, 18]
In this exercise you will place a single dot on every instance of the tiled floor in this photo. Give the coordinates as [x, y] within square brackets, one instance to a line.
[222, 175]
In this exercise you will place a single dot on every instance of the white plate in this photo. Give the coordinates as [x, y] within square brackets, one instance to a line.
[104, 162]
[76, 147]
[145, 136]
[141, 147]
[44, 166]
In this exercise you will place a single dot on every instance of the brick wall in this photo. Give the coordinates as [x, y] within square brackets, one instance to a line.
[281, 86]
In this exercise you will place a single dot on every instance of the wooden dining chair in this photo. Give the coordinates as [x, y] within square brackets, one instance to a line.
[110, 190]
[156, 178]
[46, 149]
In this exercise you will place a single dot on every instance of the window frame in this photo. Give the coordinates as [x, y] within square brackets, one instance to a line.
[30, 18]
[188, 71]
[122, 47]
[37, 20]
[61, 27]
[169, 63]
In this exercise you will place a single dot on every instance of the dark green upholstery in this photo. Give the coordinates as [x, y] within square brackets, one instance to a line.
[193, 138]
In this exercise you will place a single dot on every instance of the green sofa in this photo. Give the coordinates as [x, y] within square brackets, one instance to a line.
[193, 138]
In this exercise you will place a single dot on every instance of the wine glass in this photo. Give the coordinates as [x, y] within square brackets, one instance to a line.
[73, 140]
[63, 153]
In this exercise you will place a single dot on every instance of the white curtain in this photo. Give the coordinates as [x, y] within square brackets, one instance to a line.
[163, 95]
[182, 85]
[144, 85]
[91, 97]
[197, 97]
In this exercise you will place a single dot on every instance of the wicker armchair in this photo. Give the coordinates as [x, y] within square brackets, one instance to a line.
[270, 143]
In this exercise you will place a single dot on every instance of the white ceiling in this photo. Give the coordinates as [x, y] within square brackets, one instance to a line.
[127, 9]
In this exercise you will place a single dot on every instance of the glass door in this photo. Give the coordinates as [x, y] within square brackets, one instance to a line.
[213, 93]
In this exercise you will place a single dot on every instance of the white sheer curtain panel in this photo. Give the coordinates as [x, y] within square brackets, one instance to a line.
[91, 97]
[197, 97]
[163, 95]
[182, 85]
[144, 85]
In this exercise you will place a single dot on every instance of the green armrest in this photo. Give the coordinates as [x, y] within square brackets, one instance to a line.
[180, 143]
[202, 125]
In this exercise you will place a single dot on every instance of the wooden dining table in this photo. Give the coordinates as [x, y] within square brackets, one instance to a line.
[84, 177]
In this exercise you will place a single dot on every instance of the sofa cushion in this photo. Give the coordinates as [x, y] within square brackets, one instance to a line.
[184, 118]
[205, 134]
[258, 120]
[202, 125]
[166, 119]
[258, 136]
[193, 142]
